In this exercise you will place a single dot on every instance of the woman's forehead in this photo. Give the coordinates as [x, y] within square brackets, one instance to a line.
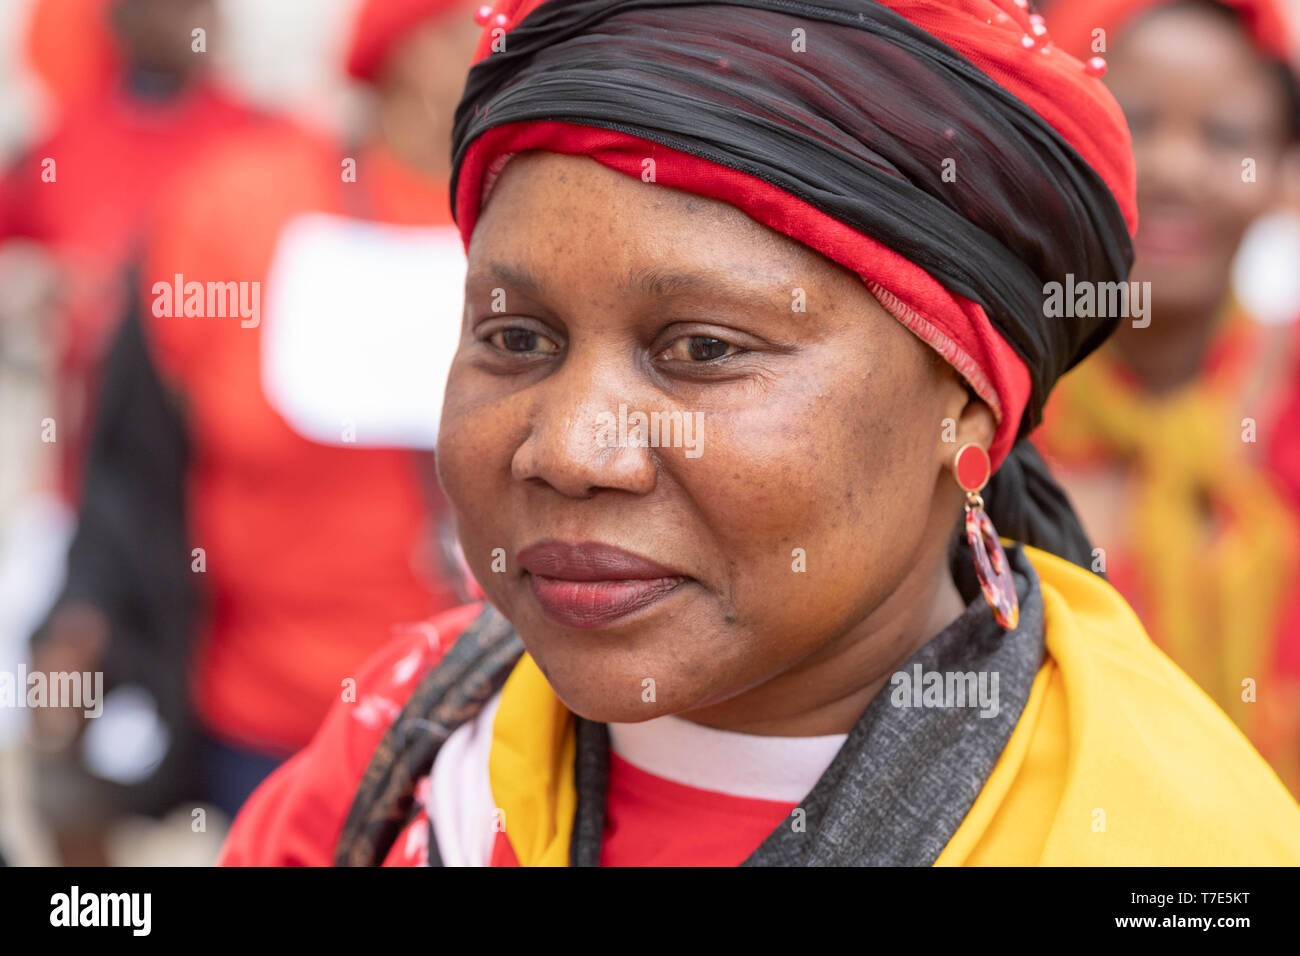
[1178, 33]
[545, 177]
[544, 202]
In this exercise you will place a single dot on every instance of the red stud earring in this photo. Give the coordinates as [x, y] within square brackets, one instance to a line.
[972, 469]
[481, 15]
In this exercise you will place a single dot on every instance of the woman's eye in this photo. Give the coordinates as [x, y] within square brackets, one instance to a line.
[521, 340]
[696, 348]
[1228, 135]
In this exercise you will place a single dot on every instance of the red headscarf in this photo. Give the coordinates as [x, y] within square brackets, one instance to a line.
[380, 24]
[998, 37]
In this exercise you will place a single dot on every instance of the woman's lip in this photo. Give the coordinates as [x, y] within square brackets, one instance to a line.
[589, 561]
[1170, 238]
[592, 604]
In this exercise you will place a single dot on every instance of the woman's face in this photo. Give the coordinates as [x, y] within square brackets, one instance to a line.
[592, 296]
[1200, 101]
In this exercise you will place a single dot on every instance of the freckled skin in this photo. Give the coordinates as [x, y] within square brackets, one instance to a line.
[822, 431]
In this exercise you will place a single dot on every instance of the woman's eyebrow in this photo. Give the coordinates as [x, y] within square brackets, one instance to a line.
[656, 282]
[508, 274]
[664, 283]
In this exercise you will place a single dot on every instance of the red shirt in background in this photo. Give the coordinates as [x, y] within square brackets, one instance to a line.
[313, 552]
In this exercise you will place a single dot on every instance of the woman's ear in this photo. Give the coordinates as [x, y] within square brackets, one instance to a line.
[970, 421]
[964, 418]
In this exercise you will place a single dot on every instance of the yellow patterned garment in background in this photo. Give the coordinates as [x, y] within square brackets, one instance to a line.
[1207, 551]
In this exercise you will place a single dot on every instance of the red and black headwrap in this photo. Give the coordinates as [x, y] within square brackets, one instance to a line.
[947, 152]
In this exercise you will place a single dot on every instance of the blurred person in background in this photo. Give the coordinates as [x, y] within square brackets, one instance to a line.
[1163, 438]
[134, 102]
[233, 557]
[131, 101]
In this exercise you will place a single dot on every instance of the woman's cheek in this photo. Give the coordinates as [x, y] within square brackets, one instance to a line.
[472, 469]
[777, 469]
[847, 513]
[453, 457]
[746, 479]
[776, 506]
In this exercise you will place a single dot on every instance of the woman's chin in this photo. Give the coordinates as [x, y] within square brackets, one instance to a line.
[618, 694]
[606, 711]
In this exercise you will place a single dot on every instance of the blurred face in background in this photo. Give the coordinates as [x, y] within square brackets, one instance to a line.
[431, 61]
[157, 35]
[1199, 99]
[419, 85]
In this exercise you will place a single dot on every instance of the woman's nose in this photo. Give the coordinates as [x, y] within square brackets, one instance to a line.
[1173, 163]
[574, 442]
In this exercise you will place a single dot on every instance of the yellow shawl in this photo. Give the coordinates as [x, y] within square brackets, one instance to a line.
[1118, 759]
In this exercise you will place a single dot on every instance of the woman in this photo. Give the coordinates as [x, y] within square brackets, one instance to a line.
[1162, 439]
[758, 645]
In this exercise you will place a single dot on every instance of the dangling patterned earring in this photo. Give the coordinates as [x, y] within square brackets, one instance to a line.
[972, 469]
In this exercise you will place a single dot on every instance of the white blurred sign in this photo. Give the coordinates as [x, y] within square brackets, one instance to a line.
[1266, 272]
[360, 323]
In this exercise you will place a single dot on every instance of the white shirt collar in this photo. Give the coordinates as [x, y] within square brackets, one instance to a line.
[742, 765]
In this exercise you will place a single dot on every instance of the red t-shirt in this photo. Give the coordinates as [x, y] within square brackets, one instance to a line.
[650, 821]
